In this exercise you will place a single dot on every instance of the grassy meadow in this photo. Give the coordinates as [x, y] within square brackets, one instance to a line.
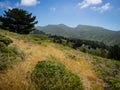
[89, 69]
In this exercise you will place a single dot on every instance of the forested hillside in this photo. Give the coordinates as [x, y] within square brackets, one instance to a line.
[84, 32]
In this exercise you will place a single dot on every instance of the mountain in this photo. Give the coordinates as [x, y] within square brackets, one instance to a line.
[84, 32]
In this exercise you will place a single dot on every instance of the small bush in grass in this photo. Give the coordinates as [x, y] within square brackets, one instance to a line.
[51, 75]
[4, 49]
[5, 40]
[2, 45]
[114, 83]
[6, 55]
[9, 55]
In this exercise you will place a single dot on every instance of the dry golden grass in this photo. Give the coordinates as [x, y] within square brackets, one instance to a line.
[18, 77]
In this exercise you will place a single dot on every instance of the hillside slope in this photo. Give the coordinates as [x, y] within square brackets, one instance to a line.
[84, 32]
[18, 77]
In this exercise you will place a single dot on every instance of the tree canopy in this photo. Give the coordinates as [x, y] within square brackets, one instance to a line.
[114, 52]
[18, 20]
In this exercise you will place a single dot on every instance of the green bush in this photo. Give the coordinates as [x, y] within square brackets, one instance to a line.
[9, 55]
[5, 40]
[3, 63]
[51, 75]
[6, 50]
[2, 45]
[6, 55]
[114, 83]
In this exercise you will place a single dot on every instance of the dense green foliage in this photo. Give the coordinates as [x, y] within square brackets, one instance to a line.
[84, 32]
[92, 47]
[114, 83]
[52, 75]
[18, 20]
[114, 52]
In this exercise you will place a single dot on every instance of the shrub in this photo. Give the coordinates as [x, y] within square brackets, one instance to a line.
[2, 45]
[5, 40]
[6, 55]
[114, 83]
[9, 55]
[3, 63]
[4, 48]
[51, 75]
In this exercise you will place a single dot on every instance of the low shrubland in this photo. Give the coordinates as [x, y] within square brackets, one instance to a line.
[52, 75]
[8, 54]
[109, 71]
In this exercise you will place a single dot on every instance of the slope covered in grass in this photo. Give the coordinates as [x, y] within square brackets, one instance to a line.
[94, 72]
[18, 77]
[8, 54]
[109, 71]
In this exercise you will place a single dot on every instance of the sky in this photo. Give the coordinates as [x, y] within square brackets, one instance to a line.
[103, 13]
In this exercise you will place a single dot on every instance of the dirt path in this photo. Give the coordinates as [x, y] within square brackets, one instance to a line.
[18, 78]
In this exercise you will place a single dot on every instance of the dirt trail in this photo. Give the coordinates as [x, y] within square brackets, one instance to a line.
[18, 77]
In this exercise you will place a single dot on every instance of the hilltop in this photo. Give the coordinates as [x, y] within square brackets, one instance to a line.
[84, 32]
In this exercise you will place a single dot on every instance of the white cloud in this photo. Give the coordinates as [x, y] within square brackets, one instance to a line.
[53, 9]
[10, 7]
[103, 8]
[87, 3]
[29, 2]
[7, 4]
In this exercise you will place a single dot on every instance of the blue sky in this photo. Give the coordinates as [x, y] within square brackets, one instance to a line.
[103, 13]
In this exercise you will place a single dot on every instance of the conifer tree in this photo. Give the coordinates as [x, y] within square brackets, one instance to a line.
[18, 20]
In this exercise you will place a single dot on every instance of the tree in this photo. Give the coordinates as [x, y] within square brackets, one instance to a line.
[18, 20]
[114, 52]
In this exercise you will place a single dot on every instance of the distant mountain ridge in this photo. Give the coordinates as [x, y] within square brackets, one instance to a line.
[84, 32]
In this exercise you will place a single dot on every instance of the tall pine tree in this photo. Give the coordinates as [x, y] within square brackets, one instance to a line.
[18, 20]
